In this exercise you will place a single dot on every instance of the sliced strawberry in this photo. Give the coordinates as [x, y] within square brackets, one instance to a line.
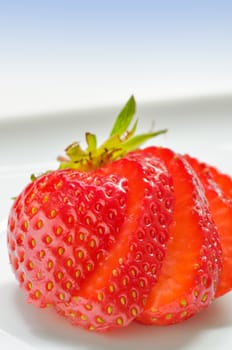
[224, 181]
[91, 244]
[191, 269]
[116, 292]
[58, 229]
[90, 238]
[217, 187]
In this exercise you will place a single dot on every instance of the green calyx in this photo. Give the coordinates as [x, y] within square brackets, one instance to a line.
[122, 140]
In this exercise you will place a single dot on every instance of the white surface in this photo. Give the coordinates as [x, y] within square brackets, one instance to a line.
[200, 127]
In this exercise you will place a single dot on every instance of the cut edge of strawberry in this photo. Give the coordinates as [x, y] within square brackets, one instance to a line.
[189, 298]
[220, 205]
[105, 269]
[126, 265]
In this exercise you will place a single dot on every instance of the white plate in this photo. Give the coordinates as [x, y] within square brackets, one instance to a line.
[201, 127]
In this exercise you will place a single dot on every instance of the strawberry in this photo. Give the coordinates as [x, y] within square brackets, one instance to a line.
[117, 290]
[218, 190]
[190, 271]
[90, 238]
[118, 234]
[224, 181]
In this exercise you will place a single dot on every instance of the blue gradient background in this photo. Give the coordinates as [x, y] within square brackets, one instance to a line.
[70, 54]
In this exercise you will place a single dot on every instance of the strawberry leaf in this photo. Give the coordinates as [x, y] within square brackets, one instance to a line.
[119, 143]
[91, 141]
[136, 141]
[124, 118]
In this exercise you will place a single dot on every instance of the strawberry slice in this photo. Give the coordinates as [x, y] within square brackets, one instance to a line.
[115, 293]
[191, 269]
[224, 181]
[58, 228]
[217, 188]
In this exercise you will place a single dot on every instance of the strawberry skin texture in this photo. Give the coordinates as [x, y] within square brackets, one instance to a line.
[92, 244]
[59, 227]
[224, 181]
[117, 291]
[191, 269]
[217, 189]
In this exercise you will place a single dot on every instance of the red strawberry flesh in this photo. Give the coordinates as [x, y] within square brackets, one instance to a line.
[62, 224]
[190, 271]
[91, 244]
[117, 290]
[221, 209]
